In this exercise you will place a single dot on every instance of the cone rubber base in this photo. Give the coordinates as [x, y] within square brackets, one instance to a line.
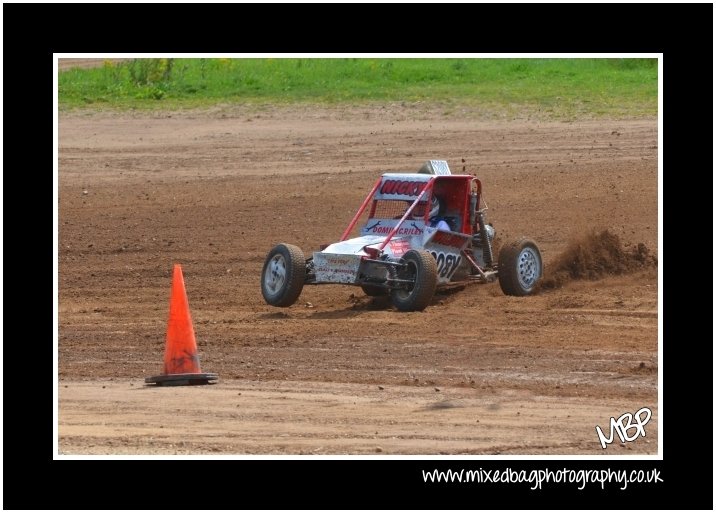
[175, 380]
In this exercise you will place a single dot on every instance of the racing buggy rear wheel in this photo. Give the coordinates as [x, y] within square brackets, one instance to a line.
[519, 267]
[283, 275]
[422, 271]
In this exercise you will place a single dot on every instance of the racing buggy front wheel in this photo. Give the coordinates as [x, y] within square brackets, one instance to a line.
[283, 275]
[519, 267]
[421, 277]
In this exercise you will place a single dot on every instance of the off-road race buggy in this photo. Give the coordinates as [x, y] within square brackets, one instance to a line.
[401, 252]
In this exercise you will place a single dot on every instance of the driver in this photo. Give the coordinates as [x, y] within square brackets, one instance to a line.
[434, 218]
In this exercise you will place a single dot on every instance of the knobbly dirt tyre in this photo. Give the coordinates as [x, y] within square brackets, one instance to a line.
[422, 269]
[519, 267]
[283, 275]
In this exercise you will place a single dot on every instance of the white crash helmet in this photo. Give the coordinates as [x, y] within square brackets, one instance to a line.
[434, 207]
[419, 211]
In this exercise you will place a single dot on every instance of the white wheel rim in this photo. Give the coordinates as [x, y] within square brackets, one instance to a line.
[275, 275]
[528, 268]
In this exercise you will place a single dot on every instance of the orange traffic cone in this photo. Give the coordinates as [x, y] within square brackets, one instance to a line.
[181, 361]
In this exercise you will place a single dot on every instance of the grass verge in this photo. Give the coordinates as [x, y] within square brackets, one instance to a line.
[558, 88]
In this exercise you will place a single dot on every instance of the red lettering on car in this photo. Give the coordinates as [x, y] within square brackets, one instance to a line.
[402, 187]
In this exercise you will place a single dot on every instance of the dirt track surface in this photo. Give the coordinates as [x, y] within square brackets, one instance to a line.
[65, 64]
[476, 373]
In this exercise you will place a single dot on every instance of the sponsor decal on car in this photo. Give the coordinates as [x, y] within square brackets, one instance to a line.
[399, 247]
[413, 229]
[402, 187]
[336, 268]
[396, 187]
[449, 239]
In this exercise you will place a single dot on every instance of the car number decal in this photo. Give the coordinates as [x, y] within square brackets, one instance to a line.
[447, 263]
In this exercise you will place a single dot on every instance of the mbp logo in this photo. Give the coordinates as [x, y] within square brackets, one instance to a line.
[623, 424]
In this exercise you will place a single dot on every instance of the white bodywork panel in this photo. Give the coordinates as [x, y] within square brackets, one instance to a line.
[336, 268]
[353, 246]
[339, 262]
